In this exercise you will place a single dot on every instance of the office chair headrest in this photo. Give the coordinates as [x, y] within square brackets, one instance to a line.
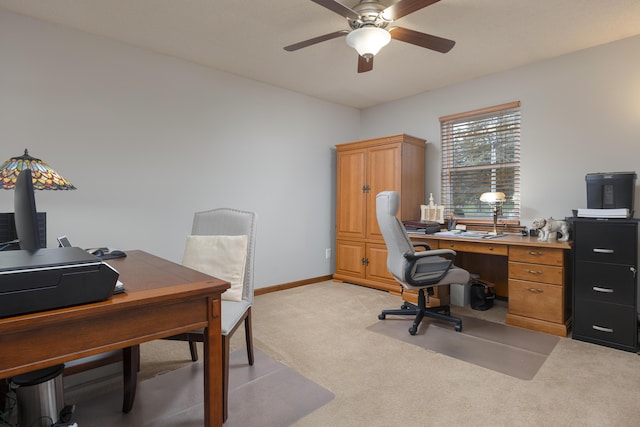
[391, 202]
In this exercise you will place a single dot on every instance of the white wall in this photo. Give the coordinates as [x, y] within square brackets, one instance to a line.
[580, 114]
[148, 139]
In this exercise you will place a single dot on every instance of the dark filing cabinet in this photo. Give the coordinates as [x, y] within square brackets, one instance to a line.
[605, 308]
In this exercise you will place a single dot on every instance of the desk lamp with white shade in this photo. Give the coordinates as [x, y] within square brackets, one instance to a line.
[495, 199]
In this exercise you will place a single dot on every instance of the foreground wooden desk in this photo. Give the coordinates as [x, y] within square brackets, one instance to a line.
[533, 274]
[162, 299]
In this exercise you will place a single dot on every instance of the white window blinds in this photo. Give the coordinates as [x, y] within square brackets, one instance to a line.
[481, 153]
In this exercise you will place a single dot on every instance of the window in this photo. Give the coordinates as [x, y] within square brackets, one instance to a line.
[481, 153]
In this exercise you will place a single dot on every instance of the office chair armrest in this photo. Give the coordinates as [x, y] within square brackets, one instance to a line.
[422, 245]
[448, 254]
[445, 253]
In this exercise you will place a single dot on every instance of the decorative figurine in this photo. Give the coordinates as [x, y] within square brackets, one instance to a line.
[432, 211]
[548, 226]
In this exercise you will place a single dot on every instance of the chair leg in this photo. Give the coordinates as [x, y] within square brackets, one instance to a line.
[433, 312]
[248, 336]
[225, 377]
[421, 311]
[193, 348]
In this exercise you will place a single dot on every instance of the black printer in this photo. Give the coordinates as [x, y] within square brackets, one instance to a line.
[46, 279]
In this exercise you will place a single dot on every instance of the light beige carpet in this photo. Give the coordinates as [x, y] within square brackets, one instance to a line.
[507, 349]
[320, 330]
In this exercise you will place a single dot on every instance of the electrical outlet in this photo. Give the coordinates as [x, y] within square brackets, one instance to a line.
[327, 253]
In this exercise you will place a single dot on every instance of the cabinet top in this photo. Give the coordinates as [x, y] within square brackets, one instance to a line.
[393, 139]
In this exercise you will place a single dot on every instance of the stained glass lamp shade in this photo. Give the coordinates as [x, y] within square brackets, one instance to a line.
[44, 178]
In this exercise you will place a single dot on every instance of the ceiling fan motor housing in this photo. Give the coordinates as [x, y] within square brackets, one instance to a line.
[370, 12]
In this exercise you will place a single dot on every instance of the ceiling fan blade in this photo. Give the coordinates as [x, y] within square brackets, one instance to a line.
[405, 7]
[338, 8]
[364, 65]
[421, 39]
[315, 40]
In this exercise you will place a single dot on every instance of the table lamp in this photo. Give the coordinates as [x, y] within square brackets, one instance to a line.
[495, 199]
[44, 178]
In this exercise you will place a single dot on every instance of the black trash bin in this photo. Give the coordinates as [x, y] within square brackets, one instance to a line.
[481, 295]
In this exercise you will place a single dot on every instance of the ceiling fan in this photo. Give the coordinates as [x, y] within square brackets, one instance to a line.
[370, 29]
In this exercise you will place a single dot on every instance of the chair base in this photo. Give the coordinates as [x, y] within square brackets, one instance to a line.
[421, 311]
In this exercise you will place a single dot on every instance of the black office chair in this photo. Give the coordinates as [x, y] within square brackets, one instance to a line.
[415, 270]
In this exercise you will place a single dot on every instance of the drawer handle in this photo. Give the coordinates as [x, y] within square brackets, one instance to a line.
[601, 329]
[603, 251]
[533, 271]
[534, 253]
[535, 291]
[605, 290]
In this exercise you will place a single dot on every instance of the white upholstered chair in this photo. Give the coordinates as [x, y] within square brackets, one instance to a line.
[228, 222]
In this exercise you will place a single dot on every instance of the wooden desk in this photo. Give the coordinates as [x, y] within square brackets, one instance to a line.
[162, 299]
[534, 275]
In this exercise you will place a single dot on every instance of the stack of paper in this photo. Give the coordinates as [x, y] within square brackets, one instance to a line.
[604, 213]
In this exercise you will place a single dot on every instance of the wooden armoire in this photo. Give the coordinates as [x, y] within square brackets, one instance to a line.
[364, 169]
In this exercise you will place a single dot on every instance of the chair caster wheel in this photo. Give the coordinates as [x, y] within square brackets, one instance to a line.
[458, 328]
[447, 312]
[404, 307]
[413, 330]
[381, 316]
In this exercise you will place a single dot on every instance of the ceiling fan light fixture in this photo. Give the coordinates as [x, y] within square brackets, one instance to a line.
[368, 40]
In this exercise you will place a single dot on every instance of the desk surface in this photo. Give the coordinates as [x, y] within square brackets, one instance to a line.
[162, 299]
[507, 239]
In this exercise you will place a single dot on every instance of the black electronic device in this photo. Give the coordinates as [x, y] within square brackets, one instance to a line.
[426, 227]
[102, 253]
[46, 279]
[8, 234]
[611, 190]
[26, 217]
[116, 254]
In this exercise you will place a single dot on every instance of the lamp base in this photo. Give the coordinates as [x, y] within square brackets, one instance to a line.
[492, 235]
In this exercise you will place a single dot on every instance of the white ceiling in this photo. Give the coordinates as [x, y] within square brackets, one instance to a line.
[246, 38]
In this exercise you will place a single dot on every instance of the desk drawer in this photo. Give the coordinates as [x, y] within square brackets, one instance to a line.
[537, 255]
[476, 247]
[606, 242]
[536, 273]
[536, 300]
[611, 283]
[606, 323]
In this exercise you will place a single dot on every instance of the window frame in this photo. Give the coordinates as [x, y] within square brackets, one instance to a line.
[449, 146]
